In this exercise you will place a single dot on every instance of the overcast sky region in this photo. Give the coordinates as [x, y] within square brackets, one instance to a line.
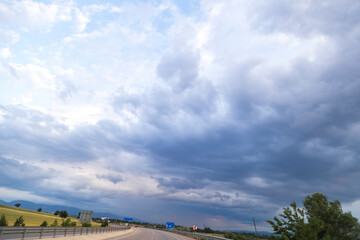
[198, 112]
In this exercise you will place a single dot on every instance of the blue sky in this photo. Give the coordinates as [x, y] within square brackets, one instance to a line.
[199, 112]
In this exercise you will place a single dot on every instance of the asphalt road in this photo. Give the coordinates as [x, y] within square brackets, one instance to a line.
[149, 234]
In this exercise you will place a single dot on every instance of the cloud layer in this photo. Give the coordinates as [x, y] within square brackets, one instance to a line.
[210, 113]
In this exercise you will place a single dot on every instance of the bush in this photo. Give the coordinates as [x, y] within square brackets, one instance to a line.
[19, 222]
[44, 224]
[105, 224]
[55, 223]
[86, 224]
[56, 212]
[3, 221]
[66, 222]
[39, 210]
[72, 224]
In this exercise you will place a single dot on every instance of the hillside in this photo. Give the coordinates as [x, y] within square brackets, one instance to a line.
[32, 218]
[52, 208]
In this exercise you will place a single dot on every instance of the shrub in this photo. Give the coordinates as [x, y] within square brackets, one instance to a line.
[86, 224]
[55, 223]
[39, 210]
[19, 222]
[72, 224]
[44, 224]
[66, 222]
[105, 224]
[3, 221]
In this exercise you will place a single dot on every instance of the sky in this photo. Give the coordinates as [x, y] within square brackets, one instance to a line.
[198, 112]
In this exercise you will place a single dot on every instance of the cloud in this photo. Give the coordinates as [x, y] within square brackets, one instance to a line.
[12, 194]
[32, 14]
[181, 69]
[35, 76]
[5, 53]
[231, 110]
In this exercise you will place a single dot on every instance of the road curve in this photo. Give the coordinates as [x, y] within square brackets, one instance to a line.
[150, 234]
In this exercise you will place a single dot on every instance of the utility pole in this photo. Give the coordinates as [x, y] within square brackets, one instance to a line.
[257, 237]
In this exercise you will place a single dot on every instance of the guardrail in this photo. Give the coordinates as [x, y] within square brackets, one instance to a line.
[198, 235]
[52, 232]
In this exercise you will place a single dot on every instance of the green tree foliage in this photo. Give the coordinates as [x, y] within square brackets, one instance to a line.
[319, 220]
[56, 212]
[44, 224]
[105, 223]
[3, 221]
[39, 210]
[63, 214]
[243, 236]
[17, 204]
[86, 224]
[291, 223]
[66, 223]
[72, 224]
[55, 224]
[19, 222]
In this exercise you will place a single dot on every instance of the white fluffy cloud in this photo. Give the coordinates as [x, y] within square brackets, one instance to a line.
[5, 53]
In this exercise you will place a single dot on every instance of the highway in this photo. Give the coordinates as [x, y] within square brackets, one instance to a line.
[149, 234]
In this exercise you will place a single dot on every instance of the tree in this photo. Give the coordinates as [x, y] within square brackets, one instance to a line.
[17, 204]
[68, 223]
[63, 214]
[104, 223]
[44, 224]
[327, 219]
[56, 212]
[39, 210]
[19, 222]
[3, 221]
[319, 220]
[292, 223]
[55, 223]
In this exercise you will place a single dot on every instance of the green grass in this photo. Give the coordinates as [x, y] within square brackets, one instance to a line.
[32, 218]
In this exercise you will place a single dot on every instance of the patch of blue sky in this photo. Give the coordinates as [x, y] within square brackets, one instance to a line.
[164, 21]
[188, 7]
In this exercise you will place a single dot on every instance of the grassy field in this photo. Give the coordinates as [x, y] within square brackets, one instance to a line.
[32, 218]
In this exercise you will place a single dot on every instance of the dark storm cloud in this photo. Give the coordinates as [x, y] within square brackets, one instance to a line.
[296, 135]
[20, 175]
[306, 17]
[180, 68]
[40, 135]
[180, 183]
[244, 144]
[111, 177]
